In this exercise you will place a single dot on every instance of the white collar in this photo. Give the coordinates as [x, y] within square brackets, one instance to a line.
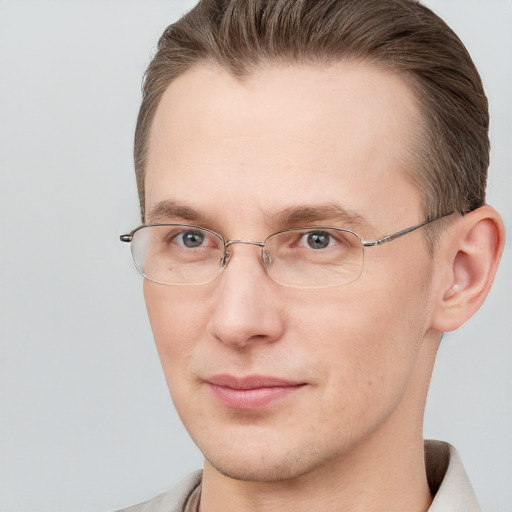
[448, 480]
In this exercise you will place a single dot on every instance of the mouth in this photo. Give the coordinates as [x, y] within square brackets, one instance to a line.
[251, 392]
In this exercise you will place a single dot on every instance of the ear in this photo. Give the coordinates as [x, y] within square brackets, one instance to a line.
[467, 256]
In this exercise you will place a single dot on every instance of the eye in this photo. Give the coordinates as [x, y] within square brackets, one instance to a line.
[316, 239]
[191, 239]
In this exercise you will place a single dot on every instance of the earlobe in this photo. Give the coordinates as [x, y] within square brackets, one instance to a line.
[471, 257]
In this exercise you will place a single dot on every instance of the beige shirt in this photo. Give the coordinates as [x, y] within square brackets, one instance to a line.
[446, 477]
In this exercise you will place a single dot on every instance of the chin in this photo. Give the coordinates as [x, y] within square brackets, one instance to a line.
[266, 465]
[249, 472]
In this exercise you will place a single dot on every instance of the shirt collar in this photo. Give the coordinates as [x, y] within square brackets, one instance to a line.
[448, 481]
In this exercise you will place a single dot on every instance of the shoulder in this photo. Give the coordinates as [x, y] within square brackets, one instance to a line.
[171, 501]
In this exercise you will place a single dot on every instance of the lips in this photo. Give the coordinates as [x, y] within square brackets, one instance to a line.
[251, 392]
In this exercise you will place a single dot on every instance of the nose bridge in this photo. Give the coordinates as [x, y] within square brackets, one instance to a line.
[228, 254]
[250, 242]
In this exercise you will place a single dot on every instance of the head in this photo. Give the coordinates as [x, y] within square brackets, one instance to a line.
[260, 116]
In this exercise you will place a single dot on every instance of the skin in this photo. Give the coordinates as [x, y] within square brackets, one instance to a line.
[236, 153]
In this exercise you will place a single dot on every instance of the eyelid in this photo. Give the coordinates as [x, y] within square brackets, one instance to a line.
[335, 236]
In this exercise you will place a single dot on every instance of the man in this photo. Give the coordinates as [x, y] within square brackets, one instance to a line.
[312, 188]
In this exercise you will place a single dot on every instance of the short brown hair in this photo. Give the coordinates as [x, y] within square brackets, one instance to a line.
[401, 35]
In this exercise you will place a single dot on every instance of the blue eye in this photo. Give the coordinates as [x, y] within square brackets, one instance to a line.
[192, 238]
[318, 239]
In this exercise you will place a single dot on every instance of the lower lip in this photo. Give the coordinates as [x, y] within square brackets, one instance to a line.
[247, 399]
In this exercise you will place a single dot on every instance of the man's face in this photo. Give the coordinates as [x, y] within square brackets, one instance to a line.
[273, 382]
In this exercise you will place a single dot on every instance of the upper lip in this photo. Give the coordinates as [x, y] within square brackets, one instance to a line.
[250, 382]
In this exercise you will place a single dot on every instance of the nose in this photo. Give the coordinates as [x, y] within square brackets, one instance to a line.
[248, 306]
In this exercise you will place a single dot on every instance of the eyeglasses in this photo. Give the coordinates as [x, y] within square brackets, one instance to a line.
[309, 257]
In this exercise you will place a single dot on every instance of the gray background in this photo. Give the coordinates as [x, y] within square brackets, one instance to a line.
[86, 422]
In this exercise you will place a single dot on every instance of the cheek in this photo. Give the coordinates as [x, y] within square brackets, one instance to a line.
[178, 320]
[368, 333]
[367, 360]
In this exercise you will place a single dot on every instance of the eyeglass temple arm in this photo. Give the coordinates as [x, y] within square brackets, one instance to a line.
[398, 234]
[126, 238]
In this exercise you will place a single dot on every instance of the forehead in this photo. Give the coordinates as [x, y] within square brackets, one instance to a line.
[283, 136]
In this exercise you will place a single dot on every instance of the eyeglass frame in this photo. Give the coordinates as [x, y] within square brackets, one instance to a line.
[128, 238]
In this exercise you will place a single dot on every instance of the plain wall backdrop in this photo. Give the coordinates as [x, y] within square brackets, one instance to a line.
[86, 422]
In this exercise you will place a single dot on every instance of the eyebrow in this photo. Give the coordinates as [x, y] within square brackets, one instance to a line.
[306, 215]
[294, 216]
[168, 209]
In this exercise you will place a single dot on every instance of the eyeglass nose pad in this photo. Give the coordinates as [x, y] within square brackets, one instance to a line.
[267, 259]
[225, 259]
